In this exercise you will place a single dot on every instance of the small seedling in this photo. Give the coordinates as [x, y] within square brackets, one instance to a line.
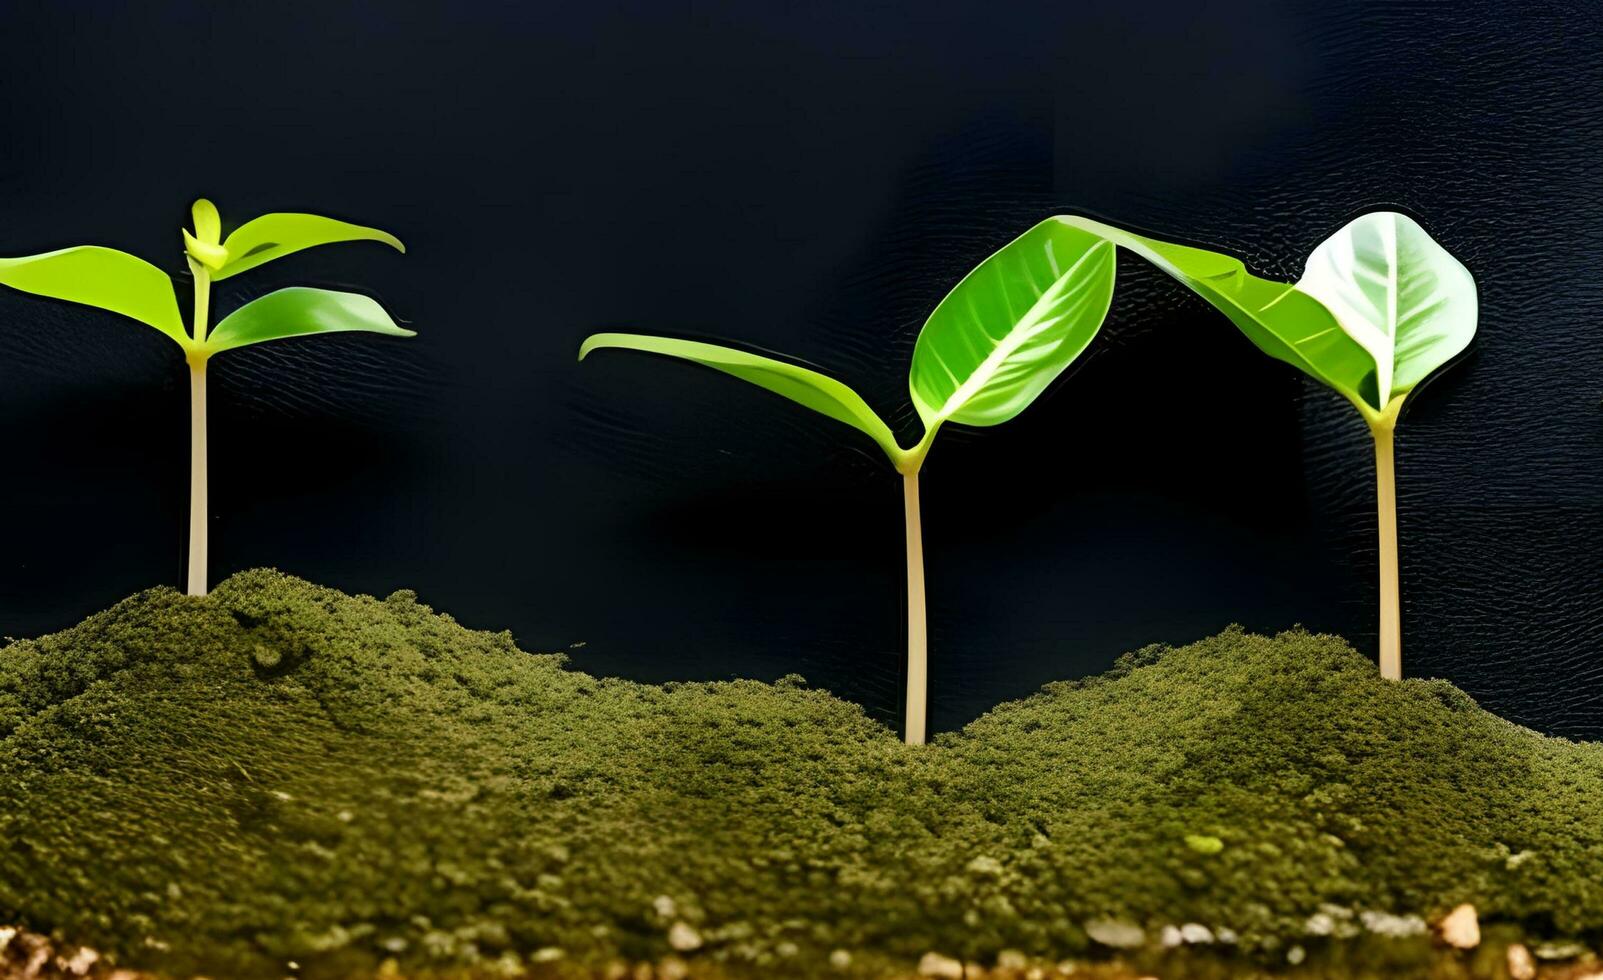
[1379, 307]
[996, 341]
[112, 280]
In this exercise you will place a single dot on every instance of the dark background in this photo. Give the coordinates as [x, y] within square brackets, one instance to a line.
[811, 178]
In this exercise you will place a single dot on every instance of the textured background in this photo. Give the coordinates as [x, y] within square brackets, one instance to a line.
[810, 179]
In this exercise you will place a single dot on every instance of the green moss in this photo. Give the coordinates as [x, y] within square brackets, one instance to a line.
[282, 772]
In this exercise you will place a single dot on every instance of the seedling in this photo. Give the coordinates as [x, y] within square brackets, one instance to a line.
[125, 284]
[996, 341]
[1380, 306]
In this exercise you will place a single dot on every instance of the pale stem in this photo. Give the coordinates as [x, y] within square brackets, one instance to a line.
[1391, 633]
[197, 477]
[917, 639]
[197, 434]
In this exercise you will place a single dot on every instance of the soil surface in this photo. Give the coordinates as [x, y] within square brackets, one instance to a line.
[283, 780]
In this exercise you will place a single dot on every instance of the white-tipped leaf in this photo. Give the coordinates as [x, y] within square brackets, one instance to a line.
[1397, 293]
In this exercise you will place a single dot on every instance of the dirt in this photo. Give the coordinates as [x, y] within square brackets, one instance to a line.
[282, 774]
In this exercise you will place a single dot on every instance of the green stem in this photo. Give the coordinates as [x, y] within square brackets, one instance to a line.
[198, 550]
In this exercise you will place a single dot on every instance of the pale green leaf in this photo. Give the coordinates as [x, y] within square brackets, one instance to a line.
[274, 236]
[1002, 335]
[1397, 293]
[1283, 322]
[204, 245]
[213, 257]
[101, 277]
[208, 223]
[297, 311]
[818, 392]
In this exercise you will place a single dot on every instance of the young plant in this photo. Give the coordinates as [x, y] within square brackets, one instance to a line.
[1380, 306]
[996, 341]
[125, 284]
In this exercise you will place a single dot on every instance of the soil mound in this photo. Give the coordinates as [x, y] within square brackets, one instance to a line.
[281, 773]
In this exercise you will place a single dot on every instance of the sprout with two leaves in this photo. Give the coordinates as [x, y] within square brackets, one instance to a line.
[1379, 307]
[112, 280]
[996, 341]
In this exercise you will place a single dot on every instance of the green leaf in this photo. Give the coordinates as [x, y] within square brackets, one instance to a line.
[1002, 335]
[1283, 322]
[102, 277]
[818, 392]
[273, 236]
[208, 223]
[297, 311]
[1397, 293]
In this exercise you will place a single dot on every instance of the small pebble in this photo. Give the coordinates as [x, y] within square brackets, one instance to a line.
[80, 962]
[1521, 965]
[933, 964]
[1462, 928]
[1559, 950]
[840, 959]
[684, 937]
[1295, 955]
[1196, 932]
[1115, 933]
[1394, 926]
[1319, 924]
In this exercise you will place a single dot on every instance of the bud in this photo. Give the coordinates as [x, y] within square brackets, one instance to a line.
[203, 246]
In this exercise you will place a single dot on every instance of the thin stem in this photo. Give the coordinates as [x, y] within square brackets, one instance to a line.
[197, 477]
[917, 638]
[1391, 634]
[198, 550]
[203, 295]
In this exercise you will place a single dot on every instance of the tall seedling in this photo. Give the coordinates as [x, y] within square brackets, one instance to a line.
[1380, 306]
[125, 284]
[988, 350]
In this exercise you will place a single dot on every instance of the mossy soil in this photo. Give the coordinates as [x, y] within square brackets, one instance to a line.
[280, 773]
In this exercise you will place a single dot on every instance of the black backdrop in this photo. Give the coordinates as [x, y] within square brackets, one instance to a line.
[811, 178]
